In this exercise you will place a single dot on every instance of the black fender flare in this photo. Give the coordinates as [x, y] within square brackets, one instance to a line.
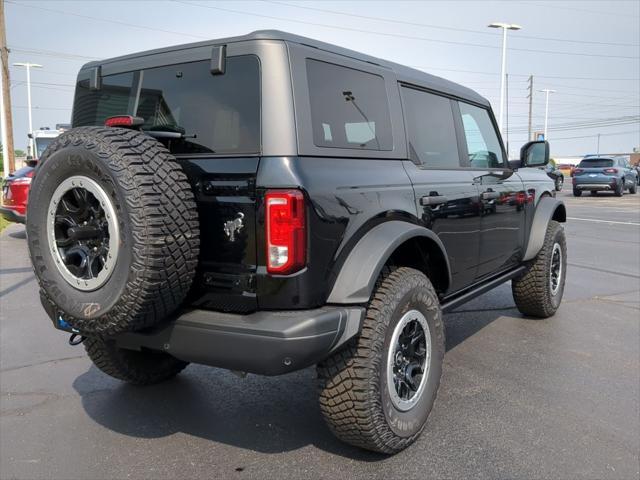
[358, 275]
[548, 209]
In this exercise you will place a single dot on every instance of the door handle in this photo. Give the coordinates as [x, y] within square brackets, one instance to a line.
[490, 195]
[430, 200]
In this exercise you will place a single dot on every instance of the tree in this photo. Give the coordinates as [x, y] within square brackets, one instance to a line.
[20, 153]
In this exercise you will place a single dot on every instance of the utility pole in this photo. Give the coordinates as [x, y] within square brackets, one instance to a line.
[29, 66]
[530, 97]
[547, 91]
[6, 122]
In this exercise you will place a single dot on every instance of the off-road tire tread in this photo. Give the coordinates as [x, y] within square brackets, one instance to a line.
[531, 290]
[163, 220]
[139, 368]
[348, 381]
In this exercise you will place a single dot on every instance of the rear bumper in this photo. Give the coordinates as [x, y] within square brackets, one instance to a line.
[12, 215]
[593, 186]
[267, 343]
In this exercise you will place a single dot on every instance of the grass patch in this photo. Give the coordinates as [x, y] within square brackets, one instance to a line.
[4, 223]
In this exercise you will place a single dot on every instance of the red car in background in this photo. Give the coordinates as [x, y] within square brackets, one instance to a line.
[15, 192]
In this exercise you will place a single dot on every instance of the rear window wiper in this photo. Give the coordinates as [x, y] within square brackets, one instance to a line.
[168, 131]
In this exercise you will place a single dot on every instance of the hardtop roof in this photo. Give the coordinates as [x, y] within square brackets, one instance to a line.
[403, 73]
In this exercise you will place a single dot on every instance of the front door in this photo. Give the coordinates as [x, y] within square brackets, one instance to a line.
[502, 195]
[446, 196]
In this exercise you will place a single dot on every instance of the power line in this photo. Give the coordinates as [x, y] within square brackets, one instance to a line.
[51, 53]
[42, 108]
[440, 27]
[107, 20]
[404, 36]
[573, 9]
[595, 135]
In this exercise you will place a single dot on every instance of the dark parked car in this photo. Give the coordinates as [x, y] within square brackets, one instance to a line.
[556, 175]
[610, 174]
[269, 202]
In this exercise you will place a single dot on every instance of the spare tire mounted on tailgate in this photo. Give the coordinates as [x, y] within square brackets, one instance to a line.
[113, 230]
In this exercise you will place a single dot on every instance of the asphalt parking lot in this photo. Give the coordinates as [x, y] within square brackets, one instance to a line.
[520, 398]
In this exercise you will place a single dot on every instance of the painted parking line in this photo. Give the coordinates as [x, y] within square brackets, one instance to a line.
[602, 221]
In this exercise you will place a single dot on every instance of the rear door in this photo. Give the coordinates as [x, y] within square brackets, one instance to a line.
[502, 195]
[446, 197]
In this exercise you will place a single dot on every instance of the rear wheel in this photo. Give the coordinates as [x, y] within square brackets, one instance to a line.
[559, 184]
[577, 193]
[619, 191]
[594, 193]
[538, 292]
[377, 392]
[633, 188]
[139, 367]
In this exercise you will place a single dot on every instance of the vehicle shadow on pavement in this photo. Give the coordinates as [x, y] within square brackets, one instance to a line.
[263, 414]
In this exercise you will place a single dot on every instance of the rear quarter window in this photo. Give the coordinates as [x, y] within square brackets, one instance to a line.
[349, 107]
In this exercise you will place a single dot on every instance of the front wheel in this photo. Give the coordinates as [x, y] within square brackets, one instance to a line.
[378, 391]
[538, 292]
[633, 188]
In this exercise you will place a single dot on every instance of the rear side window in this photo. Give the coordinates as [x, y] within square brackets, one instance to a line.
[215, 113]
[349, 108]
[596, 163]
[93, 107]
[481, 136]
[430, 128]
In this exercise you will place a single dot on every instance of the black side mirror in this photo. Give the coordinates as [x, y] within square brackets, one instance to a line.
[534, 154]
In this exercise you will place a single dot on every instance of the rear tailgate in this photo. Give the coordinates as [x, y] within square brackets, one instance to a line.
[225, 193]
[211, 123]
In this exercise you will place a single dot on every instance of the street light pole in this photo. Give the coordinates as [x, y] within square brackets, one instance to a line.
[504, 27]
[29, 66]
[547, 91]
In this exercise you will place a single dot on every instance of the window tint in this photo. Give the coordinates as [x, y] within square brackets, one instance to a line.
[349, 108]
[596, 163]
[93, 107]
[482, 140]
[430, 127]
[215, 113]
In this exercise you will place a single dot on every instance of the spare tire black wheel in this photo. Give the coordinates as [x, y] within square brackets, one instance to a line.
[113, 231]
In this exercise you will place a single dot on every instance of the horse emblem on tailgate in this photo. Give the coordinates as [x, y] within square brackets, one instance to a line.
[231, 227]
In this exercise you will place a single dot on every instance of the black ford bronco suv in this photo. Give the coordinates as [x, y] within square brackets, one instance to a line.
[269, 202]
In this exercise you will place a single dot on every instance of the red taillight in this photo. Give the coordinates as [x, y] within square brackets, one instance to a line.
[125, 121]
[286, 231]
[577, 170]
[610, 170]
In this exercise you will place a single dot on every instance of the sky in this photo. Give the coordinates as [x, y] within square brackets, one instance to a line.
[588, 51]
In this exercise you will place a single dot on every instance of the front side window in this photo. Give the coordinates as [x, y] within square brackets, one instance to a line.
[349, 108]
[481, 136]
[430, 128]
[198, 112]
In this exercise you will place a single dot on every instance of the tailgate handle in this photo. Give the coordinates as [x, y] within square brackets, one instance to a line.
[430, 200]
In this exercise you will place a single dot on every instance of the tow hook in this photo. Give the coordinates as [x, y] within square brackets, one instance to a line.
[76, 339]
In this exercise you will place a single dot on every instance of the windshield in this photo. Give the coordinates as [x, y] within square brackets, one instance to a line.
[206, 113]
[596, 163]
[42, 144]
